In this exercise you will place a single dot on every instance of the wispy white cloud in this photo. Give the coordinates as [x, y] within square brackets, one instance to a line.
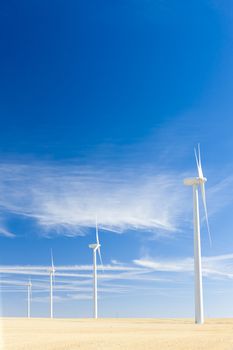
[12, 282]
[6, 233]
[61, 268]
[72, 278]
[73, 281]
[65, 198]
[220, 194]
[178, 265]
[215, 267]
[62, 298]
[141, 270]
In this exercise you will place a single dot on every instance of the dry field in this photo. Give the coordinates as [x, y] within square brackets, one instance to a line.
[116, 334]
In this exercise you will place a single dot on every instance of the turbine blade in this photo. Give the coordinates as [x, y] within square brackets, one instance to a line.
[96, 231]
[198, 162]
[206, 213]
[98, 242]
[199, 156]
[101, 261]
[52, 259]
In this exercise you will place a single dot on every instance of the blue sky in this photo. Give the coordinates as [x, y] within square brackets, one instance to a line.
[101, 105]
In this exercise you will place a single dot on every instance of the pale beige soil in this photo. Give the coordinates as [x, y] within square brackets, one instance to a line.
[116, 334]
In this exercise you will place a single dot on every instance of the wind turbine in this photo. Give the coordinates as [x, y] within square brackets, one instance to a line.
[52, 276]
[29, 285]
[29, 292]
[95, 247]
[196, 183]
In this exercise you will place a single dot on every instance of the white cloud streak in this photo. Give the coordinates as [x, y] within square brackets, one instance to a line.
[143, 270]
[220, 194]
[72, 282]
[214, 267]
[6, 233]
[46, 269]
[66, 198]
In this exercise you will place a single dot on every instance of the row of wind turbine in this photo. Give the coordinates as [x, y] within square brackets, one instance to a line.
[196, 183]
[96, 248]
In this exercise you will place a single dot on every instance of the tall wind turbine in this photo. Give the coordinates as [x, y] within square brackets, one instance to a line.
[29, 285]
[196, 183]
[95, 247]
[51, 275]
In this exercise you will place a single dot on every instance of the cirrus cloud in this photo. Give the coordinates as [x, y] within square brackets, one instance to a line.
[66, 198]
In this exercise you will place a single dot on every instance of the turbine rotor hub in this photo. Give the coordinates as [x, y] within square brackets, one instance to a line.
[195, 181]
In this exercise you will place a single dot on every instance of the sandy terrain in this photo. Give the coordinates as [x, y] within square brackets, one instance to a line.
[124, 334]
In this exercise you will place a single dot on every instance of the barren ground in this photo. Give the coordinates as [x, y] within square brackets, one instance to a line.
[114, 334]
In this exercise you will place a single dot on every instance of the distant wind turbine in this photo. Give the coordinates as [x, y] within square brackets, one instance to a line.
[197, 182]
[52, 277]
[95, 247]
[29, 291]
[29, 297]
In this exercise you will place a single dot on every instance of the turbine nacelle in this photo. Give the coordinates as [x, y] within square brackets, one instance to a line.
[52, 271]
[195, 181]
[95, 246]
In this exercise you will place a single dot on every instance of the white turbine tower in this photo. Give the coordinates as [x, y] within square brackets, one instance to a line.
[29, 285]
[51, 276]
[95, 247]
[197, 182]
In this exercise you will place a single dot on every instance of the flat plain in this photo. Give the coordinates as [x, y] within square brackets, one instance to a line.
[115, 334]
